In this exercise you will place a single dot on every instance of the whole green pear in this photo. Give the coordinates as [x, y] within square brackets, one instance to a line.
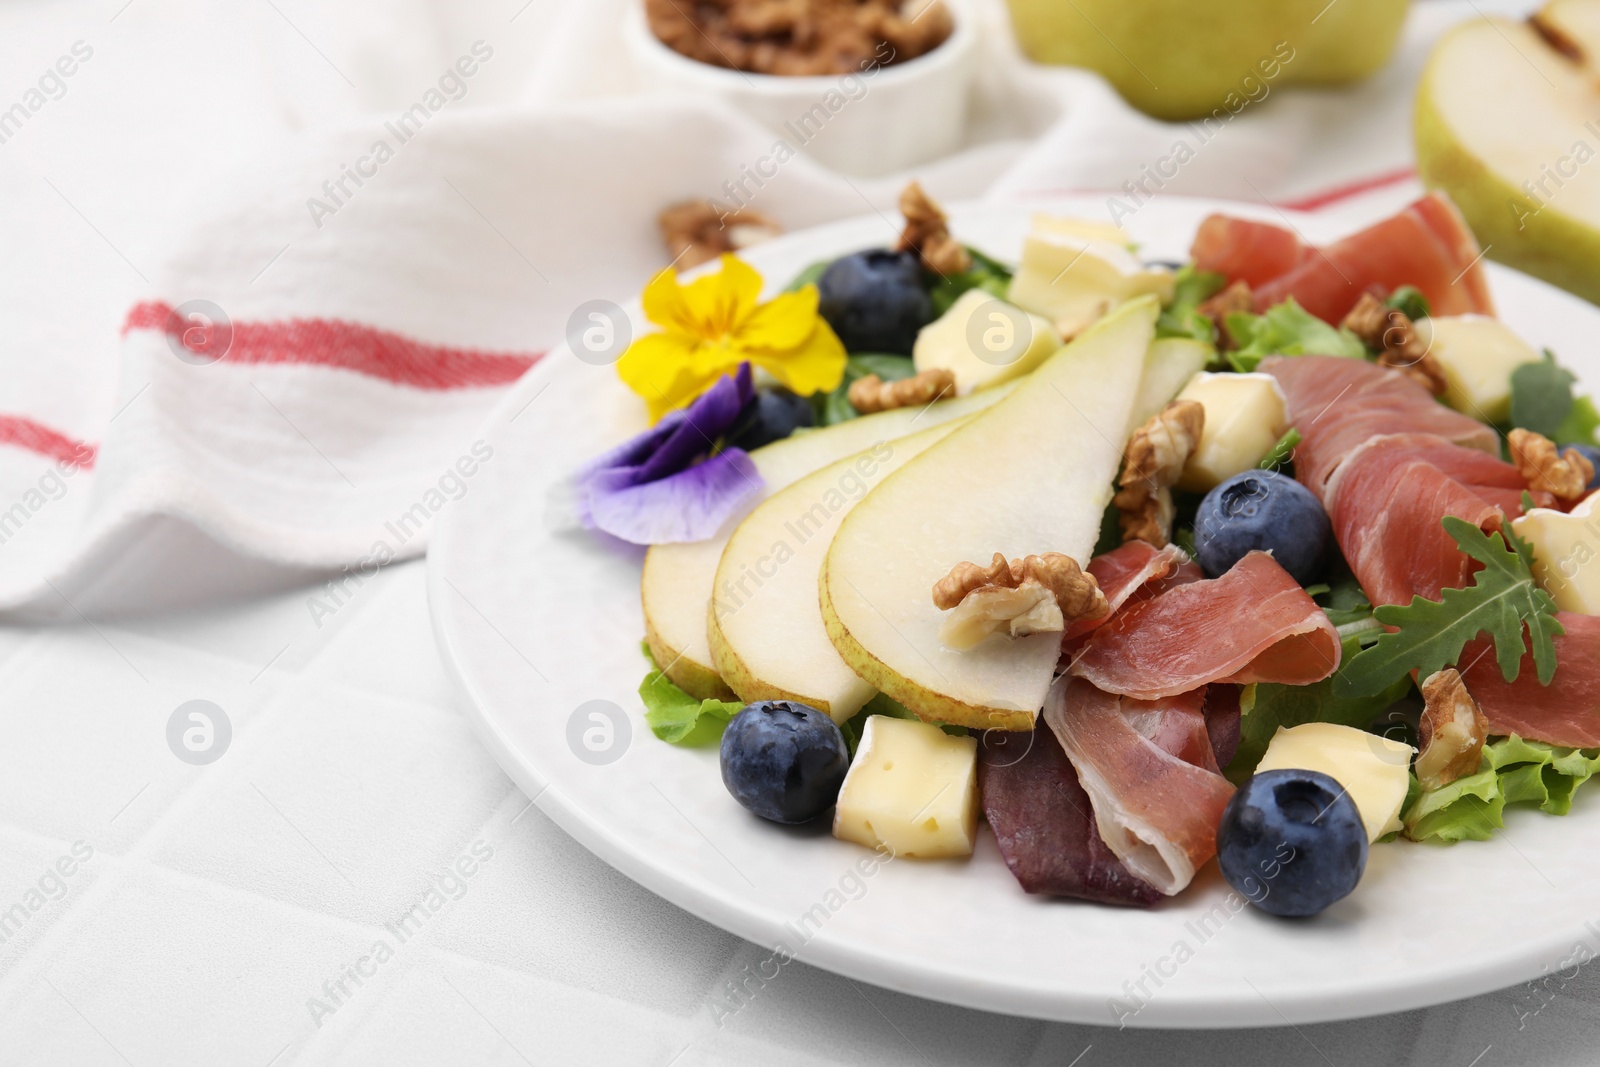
[1177, 59]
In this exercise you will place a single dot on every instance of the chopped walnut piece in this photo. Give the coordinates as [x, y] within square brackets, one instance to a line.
[1565, 475]
[1151, 465]
[1451, 733]
[695, 232]
[1236, 297]
[1035, 594]
[872, 393]
[1391, 333]
[927, 232]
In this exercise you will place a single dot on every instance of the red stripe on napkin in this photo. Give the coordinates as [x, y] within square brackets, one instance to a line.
[36, 437]
[343, 345]
[1345, 192]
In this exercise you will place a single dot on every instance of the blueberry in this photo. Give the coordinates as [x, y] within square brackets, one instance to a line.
[1292, 842]
[1592, 454]
[876, 300]
[1265, 510]
[784, 761]
[771, 415]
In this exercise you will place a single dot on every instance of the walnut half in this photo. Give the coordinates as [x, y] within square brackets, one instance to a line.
[1391, 333]
[927, 232]
[1035, 594]
[695, 232]
[1451, 733]
[872, 393]
[1565, 475]
[1154, 459]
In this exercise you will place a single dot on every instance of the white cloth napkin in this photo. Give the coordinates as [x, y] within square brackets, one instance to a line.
[423, 198]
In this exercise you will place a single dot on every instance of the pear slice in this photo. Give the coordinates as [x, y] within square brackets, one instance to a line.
[1508, 123]
[768, 639]
[1030, 475]
[678, 579]
[1172, 362]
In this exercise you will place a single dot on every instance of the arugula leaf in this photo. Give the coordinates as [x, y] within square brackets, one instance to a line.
[1287, 329]
[1411, 301]
[835, 407]
[986, 273]
[1182, 318]
[1344, 602]
[1502, 600]
[1513, 771]
[1282, 452]
[1265, 706]
[675, 716]
[1542, 400]
[808, 276]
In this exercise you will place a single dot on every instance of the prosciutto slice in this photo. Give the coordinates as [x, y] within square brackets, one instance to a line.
[1157, 812]
[1387, 503]
[1566, 712]
[1247, 251]
[1045, 825]
[1428, 245]
[1340, 404]
[1136, 568]
[1253, 624]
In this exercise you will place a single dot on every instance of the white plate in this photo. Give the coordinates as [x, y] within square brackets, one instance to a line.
[537, 623]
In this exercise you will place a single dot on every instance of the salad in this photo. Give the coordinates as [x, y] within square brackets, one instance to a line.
[1269, 557]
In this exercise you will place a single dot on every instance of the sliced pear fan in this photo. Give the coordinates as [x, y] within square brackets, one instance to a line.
[1032, 474]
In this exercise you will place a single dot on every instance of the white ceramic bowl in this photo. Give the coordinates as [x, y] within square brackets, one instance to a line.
[882, 121]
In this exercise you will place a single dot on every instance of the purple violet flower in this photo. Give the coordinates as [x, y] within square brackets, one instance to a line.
[651, 490]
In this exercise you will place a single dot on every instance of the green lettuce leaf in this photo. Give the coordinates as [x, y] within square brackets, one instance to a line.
[1281, 452]
[986, 273]
[1265, 706]
[1513, 771]
[1542, 400]
[675, 716]
[1182, 317]
[1410, 300]
[1287, 329]
[808, 276]
[1503, 601]
[884, 705]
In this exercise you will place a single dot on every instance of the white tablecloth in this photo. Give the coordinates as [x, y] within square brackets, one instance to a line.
[154, 912]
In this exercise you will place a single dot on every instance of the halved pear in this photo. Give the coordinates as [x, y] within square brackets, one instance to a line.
[1508, 123]
[768, 639]
[677, 581]
[1030, 475]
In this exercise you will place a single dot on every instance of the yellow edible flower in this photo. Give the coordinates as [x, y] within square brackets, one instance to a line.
[715, 323]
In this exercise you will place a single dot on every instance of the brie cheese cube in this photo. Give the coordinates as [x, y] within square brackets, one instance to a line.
[1477, 355]
[912, 788]
[1082, 229]
[1566, 553]
[1245, 416]
[984, 341]
[1073, 280]
[1374, 770]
